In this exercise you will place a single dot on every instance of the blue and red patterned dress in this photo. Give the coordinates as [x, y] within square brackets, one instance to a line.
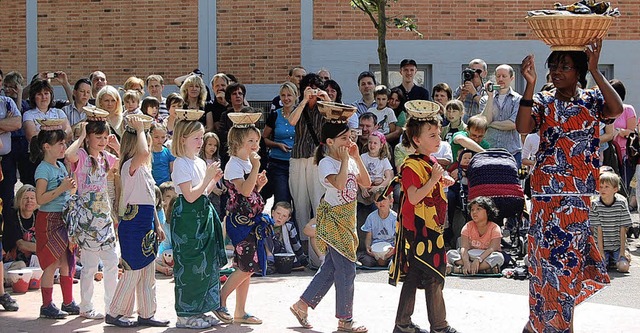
[565, 265]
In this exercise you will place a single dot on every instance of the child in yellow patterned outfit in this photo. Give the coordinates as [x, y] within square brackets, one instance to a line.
[340, 172]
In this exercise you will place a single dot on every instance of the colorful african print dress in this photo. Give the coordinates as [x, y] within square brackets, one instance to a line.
[565, 265]
[419, 238]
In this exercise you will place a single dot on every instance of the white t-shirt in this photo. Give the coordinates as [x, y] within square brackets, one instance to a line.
[382, 230]
[137, 189]
[375, 166]
[34, 114]
[330, 166]
[444, 152]
[186, 169]
[385, 116]
[236, 168]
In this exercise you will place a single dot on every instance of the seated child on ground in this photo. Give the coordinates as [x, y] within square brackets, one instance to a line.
[480, 248]
[610, 218]
[380, 227]
[165, 195]
[285, 237]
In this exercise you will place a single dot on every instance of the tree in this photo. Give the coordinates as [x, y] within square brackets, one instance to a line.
[376, 10]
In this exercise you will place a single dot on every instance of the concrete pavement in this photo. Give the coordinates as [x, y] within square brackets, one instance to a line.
[375, 305]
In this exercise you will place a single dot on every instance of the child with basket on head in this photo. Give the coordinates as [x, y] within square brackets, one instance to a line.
[610, 218]
[90, 220]
[53, 187]
[380, 228]
[480, 250]
[162, 159]
[423, 205]
[340, 170]
[378, 166]
[210, 153]
[285, 238]
[196, 230]
[138, 231]
[245, 224]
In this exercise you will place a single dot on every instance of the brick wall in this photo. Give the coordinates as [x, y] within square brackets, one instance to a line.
[121, 38]
[258, 41]
[13, 37]
[457, 20]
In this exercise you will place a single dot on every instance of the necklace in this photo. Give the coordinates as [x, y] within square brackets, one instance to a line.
[566, 96]
[24, 230]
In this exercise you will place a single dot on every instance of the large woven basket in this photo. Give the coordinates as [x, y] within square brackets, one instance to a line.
[569, 32]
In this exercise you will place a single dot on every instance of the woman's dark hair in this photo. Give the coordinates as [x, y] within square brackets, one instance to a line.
[172, 98]
[329, 131]
[81, 81]
[488, 205]
[580, 62]
[309, 80]
[441, 87]
[336, 87]
[50, 137]
[232, 88]
[413, 129]
[401, 98]
[37, 86]
[96, 127]
[619, 88]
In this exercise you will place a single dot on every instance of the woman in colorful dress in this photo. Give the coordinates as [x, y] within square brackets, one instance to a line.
[565, 265]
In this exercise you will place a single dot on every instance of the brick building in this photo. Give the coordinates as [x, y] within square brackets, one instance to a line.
[259, 41]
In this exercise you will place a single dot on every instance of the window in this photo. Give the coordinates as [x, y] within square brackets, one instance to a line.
[422, 78]
[606, 70]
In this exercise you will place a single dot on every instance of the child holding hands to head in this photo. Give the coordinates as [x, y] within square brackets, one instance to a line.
[196, 230]
[90, 219]
[480, 248]
[420, 257]
[53, 190]
[245, 224]
[610, 218]
[378, 166]
[340, 170]
[138, 231]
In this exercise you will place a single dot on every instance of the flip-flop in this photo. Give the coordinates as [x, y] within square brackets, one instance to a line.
[223, 314]
[302, 316]
[247, 319]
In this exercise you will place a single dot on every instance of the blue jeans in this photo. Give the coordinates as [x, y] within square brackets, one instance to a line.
[278, 175]
[337, 270]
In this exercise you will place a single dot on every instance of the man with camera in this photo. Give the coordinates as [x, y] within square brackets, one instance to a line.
[471, 90]
[411, 91]
[500, 107]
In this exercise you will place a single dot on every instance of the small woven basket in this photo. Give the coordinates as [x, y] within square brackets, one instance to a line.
[569, 32]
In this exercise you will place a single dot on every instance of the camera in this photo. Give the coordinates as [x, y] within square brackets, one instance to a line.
[468, 74]
[52, 75]
[493, 87]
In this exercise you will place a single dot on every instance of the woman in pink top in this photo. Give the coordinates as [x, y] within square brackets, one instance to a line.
[479, 250]
[626, 122]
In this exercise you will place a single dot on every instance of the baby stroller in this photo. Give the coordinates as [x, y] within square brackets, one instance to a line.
[494, 174]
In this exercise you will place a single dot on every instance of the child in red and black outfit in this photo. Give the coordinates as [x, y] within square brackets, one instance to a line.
[421, 260]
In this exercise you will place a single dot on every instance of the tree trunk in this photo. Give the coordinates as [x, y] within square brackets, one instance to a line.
[382, 42]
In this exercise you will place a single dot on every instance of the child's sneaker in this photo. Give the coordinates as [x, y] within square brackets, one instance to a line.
[52, 312]
[8, 303]
[91, 314]
[71, 308]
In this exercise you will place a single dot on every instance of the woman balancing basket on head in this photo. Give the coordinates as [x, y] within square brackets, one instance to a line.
[566, 267]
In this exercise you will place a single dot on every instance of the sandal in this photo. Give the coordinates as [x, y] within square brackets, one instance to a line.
[302, 316]
[349, 326]
[192, 322]
[223, 314]
[247, 319]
